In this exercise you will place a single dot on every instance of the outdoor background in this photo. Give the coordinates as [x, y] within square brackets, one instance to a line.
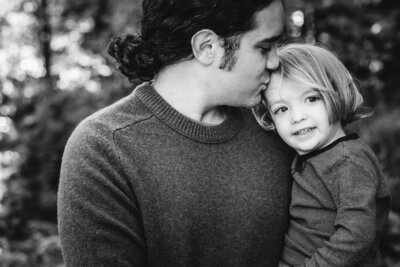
[54, 71]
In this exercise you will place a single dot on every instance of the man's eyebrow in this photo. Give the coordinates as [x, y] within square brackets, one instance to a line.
[272, 39]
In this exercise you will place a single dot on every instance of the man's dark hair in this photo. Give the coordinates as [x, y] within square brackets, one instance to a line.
[167, 29]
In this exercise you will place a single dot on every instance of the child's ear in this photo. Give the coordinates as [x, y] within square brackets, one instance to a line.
[205, 45]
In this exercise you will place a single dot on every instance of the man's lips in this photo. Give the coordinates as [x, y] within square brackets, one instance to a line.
[263, 86]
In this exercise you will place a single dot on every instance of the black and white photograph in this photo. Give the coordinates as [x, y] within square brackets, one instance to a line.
[204, 133]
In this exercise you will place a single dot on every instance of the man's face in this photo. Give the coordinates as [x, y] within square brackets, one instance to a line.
[255, 59]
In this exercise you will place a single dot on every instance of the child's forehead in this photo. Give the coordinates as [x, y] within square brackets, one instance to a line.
[276, 79]
[288, 89]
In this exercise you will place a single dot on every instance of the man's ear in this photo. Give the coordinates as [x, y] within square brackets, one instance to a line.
[204, 46]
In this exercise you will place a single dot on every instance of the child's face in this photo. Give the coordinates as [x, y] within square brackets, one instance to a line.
[300, 115]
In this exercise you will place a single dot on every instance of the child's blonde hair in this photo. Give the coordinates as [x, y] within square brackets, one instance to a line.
[321, 70]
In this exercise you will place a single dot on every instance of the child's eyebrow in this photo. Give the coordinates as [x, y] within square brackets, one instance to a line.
[311, 91]
[271, 103]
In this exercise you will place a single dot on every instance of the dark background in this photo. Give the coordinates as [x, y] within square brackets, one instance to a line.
[54, 71]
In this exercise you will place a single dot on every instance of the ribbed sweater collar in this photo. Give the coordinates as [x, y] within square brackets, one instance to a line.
[185, 126]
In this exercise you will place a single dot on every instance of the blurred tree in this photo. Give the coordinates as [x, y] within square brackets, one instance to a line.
[43, 107]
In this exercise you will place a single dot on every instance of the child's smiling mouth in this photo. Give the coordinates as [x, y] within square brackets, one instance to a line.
[304, 131]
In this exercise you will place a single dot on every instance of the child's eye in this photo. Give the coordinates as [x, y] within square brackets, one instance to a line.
[279, 110]
[312, 98]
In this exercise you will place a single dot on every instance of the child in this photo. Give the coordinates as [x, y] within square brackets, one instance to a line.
[340, 201]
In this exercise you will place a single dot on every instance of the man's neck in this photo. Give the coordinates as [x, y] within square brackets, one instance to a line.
[182, 87]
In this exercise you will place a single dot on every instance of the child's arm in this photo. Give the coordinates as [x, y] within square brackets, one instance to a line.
[354, 193]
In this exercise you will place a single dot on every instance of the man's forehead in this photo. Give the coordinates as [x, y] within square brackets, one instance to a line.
[269, 24]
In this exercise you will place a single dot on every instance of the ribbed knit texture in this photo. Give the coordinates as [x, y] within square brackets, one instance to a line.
[340, 203]
[187, 127]
[142, 185]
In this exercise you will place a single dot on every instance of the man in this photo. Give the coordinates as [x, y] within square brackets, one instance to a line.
[177, 173]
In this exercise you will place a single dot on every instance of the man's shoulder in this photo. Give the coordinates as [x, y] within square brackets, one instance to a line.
[126, 111]
[105, 122]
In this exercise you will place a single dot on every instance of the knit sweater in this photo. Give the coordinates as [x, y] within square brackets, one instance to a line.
[142, 185]
[340, 203]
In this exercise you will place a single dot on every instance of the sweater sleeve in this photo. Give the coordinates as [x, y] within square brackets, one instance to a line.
[98, 215]
[354, 191]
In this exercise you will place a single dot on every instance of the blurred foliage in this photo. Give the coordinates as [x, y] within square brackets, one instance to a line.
[54, 71]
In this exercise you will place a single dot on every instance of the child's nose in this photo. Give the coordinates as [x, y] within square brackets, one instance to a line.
[298, 115]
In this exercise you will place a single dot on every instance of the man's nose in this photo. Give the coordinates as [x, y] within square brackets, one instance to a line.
[272, 60]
